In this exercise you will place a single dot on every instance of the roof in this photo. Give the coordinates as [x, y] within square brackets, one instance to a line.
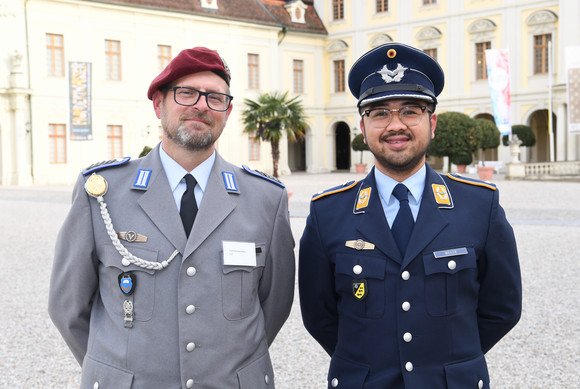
[267, 12]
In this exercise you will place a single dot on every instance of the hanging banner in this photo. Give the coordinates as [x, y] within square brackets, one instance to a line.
[80, 101]
[573, 68]
[498, 76]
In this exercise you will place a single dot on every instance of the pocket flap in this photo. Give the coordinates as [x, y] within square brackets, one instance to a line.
[105, 375]
[361, 266]
[468, 374]
[346, 374]
[112, 258]
[449, 261]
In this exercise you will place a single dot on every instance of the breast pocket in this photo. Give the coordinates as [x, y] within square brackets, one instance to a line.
[449, 273]
[144, 295]
[240, 287]
[353, 272]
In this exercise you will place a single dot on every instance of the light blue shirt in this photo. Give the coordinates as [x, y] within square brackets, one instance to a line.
[175, 173]
[385, 186]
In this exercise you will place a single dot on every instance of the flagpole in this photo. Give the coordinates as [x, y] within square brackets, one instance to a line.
[550, 132]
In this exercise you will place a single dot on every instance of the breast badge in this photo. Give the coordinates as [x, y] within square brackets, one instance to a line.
[127, 283]
[359, 289]
[131, 237]
[359, 244]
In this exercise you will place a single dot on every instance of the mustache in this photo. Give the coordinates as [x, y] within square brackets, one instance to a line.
[398, 134]
[200, 116]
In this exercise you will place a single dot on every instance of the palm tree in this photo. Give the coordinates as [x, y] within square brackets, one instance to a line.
[271, 116]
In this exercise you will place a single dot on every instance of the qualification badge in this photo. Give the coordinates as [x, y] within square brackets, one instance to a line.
[363, 198]
[96, 185]
[127, 283]
[359, 289]
[441, 195]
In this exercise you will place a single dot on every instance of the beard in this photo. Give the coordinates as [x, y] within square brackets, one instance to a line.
[400, 163]
[191, 140]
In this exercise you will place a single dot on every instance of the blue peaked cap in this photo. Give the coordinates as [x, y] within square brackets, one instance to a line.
[395, 71]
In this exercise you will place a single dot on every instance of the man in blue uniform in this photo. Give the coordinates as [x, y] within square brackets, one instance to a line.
[407, 277]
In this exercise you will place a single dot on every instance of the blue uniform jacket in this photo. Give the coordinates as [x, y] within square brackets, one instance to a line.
[424, 320]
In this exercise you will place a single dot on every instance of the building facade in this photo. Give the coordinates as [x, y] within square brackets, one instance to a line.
[74, 76]
[74, 73]
[457, 33]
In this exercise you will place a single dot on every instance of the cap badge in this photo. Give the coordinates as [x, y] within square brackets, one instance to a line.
[226, 67]
[392, 75]
[392, 53]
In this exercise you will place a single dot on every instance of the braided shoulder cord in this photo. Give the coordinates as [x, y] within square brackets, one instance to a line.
[129, 258]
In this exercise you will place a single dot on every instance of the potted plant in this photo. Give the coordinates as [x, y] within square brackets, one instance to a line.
[358, 144]
[524, 133]
[455, 137]
[461, 159]
[489, 138]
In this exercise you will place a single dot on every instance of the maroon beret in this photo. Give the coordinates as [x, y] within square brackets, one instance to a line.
[189, 61]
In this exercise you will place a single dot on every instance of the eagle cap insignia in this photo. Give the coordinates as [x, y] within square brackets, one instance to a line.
[392, 75]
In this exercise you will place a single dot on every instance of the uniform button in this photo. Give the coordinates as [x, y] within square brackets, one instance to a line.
[357, 269]
[405, 275]
[190, 346]
[189, 383]
[191, 271]
[406, 306]
[266, 379]
[334, 383]
[190, 309]
[407, 337]
[451, 265]
[409, 366]
[480, 384]
[96, 385]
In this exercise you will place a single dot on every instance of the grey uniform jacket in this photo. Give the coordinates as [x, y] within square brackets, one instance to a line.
[198, 323]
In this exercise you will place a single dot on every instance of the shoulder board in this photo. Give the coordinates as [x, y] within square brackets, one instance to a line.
[263, 175]
[341, 188]
[471, 181]
[105, 164]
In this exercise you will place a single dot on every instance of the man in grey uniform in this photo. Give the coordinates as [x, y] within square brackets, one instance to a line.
[141, 301]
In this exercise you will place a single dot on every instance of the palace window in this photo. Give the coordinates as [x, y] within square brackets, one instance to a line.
[57, 143]
[54, 55]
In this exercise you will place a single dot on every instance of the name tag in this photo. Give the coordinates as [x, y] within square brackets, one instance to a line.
[450, 252]
[239, 253]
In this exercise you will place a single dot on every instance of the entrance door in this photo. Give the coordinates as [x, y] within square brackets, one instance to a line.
[342, 142]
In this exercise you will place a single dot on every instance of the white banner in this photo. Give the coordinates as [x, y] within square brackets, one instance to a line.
[498, 76]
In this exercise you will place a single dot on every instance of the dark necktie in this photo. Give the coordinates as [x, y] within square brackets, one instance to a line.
[188, 208]
[403, 224]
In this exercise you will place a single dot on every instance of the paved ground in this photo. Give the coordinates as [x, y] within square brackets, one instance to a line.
[543, 351]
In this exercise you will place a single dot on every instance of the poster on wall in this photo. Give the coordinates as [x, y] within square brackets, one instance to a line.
[573, 68]
[498, 76]
[80, 101]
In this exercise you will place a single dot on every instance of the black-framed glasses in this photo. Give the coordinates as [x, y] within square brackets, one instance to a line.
[409, 116]
[184, 95]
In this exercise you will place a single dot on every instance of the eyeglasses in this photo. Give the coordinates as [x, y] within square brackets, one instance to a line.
[409, 116]
[187, 96]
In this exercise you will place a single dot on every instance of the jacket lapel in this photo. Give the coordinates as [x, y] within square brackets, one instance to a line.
[430, 220]
[215, 207]
[372, 224]
[158, 203]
